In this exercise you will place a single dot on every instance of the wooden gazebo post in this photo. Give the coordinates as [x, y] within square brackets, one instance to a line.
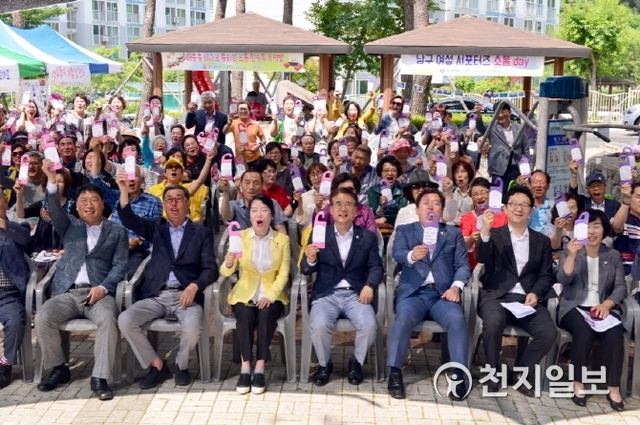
[157, 74]
[326, 72]
[188, 86]
[386, 79]
[558, 66]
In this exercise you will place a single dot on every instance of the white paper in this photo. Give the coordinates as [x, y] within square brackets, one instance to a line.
[430, 236]
[455, 146]
[600, 325]
[495, 199]
[518, 309]
[46, 257]
[472, 147]
[235, 244]
[6, 157]
[319, 234]
[51, 153]
[581, 231]
[525, 169]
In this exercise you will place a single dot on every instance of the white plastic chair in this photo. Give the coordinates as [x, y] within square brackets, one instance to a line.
[425, 325]
[635, 309]
[74, 325]
[342, 325]
[156, 326]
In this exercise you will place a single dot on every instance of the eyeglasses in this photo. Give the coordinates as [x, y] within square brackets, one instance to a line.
[340, 205]
[176, 200]
[269, 171]
[480, 194]
[516, 205]
[243, 110]
[315, 175]
[396, 103]
[419, 186]
[17, 153]
[174, 167]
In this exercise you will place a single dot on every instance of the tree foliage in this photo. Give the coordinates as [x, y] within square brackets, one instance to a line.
[356, 23]
[610, 29]
[36, 17]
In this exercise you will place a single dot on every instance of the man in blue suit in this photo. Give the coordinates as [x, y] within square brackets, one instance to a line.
[349, 269]
[14, 276]
[430, 287]
[207, 116]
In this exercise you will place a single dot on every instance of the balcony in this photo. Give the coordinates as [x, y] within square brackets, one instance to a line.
[551, 13]
[176, 2]
[101, 15]
[493, 6]
[133, 18]
[106, 40]
[531, 8]
[177, 21]
[197, 22]
[539, 10]
[198, 4]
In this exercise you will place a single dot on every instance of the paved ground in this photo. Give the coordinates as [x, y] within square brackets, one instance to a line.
[284, 403]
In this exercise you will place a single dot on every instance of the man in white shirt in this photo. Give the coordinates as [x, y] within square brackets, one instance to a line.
[84, 284]
[349, 270]
[517, 269]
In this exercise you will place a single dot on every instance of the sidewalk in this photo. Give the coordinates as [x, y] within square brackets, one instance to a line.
[284, 403]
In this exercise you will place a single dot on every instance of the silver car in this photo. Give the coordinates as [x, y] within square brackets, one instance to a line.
[632, 115]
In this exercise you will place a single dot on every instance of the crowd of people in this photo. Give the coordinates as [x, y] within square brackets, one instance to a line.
[109, 195]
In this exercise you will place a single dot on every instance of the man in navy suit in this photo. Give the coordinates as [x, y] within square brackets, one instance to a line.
[206, 118]
[182, 265]
[349, 269]
[430, 286]
[14, 276]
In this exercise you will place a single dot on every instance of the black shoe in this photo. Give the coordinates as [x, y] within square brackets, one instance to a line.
[618, 406]
[396, 386]
[5, 375]
[59, 375]
[579, 401]
[244, 383]
[459, 392]
[493, 387]
[355, 371]
[155, 377]
[258, 383]
[321, 377]
[101, 389]
[182, 377]
[522, 389]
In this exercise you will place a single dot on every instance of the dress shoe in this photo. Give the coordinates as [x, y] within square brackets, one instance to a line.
[59, 375]
[493, 387]
[522, 389]
[155, 377]
[101, 389]
[5, 375]
[244, 383]
[321, 377]
[459, 391]
[579, 401]
[618, 406]
[182, 377]
[258, 383]
[396, 386]
[355, 371]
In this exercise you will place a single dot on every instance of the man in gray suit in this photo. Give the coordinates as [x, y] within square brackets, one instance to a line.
[506, 152]
[94, 261]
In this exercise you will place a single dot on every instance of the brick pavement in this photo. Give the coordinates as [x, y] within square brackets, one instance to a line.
[284, 403]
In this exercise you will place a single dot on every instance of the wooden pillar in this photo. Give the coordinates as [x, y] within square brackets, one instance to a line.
[386, 80]
[558, 66]
[526, 102]
[157, 74]
[188, 86]
[326, 72]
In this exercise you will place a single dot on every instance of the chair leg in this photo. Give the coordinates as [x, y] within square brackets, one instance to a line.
[379, 359]
[625, 368]
[26, 356]
[305, 356]
[117, 367]
[218, 345]
[204, 356]
[131, 364]
[39, 365]
[283, 349]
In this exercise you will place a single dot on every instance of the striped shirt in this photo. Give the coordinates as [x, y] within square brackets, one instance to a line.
[629, 241]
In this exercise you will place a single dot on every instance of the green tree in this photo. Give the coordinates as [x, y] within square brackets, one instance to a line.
[604, 26]
[310, 77]
[36, 17]
[356, 23]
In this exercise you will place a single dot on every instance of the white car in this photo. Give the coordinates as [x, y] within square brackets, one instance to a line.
[632, 115]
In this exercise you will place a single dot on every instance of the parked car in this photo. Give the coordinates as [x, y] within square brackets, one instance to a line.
[632, 115]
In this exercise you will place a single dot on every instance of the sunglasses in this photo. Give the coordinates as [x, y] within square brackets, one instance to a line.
[17, 153]
[396, 103]
[420, 186]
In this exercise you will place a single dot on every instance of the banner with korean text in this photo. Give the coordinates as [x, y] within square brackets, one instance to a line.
[472, 65]
[258, 62]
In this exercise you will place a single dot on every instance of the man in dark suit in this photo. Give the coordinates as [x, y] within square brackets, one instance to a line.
[94, 261]
[430, 286]
[207, 116]
[518, 267]
[349, 269]
[182, 264]
[14, 276]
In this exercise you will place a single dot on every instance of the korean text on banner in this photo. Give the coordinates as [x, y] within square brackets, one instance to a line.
[472, 65]
[9, 78]
[266, 62]
[71, 75]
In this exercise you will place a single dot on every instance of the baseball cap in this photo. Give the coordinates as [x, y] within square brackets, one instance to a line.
[173, 161]
[596, 177]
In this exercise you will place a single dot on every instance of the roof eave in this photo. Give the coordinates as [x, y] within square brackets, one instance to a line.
[249, 48]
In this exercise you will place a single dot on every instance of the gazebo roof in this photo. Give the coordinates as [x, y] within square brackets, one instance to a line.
[246, 32]
[470, 35]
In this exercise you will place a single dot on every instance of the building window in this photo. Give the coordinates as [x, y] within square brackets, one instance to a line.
[198, 4]
[492, 6]
[133, 14]
[492, 19]
[176, 16]
[510, 22]
[528, 25]
[176, 1]
[530, 7]
[198, 18]
[105, 11]
[509, 6]
[105, 35]
[539, 27]
[133, 33]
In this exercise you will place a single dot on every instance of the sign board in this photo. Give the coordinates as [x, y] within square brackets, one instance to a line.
[558, 157]
[259, 62]
[472, 65]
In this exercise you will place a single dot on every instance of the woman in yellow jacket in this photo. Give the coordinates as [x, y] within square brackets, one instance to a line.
[354, 115]
[258, 298]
